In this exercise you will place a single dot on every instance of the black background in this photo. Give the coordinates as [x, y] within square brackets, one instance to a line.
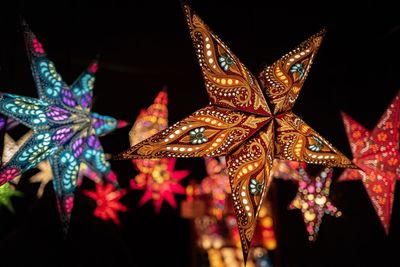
[146, 45]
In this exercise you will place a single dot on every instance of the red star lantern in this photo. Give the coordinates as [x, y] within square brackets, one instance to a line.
[376, 153]
[156, 176]
[162, 184]
[107, 202]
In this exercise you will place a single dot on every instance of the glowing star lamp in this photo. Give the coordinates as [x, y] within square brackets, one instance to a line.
[376, 153]
[65, 131]
[107, 202]
[249, 120]
[313, 200]
[157, 177]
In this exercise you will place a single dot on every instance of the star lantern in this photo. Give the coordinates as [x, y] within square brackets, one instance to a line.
[65, 131]
[157, 177]
[376, 153]
[249, 121]
[108, 203]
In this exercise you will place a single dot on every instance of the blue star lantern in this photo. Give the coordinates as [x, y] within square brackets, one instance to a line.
[65, 131]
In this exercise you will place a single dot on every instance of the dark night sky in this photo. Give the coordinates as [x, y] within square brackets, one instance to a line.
[144, 46]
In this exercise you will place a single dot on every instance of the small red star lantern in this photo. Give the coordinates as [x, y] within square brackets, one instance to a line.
[162, 184]
[107, 200]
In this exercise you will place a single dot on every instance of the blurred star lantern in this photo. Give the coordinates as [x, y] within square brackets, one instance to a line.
[157, 177]
[216, 186]
[108, 203]
[313, 200]
[65, 130]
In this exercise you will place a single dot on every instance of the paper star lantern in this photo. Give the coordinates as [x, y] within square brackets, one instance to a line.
[313, 200]
[107, 202]
[6, 192]
[376, 153]
[216, 185]
[249, 121]
[163, 184]
[157, 177]
[65, 131]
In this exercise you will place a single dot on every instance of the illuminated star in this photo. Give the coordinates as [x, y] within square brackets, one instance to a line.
[376, 153]
[6, 192]
[65, 131]
[249, 120]
[107, 202]
[313, 200]
[216, 184]
[156, 176]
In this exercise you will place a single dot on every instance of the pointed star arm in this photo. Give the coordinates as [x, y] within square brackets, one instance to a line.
[34, 113]
[36, 149]
[65, 167]
[228, 82]
[297, 141]
[49, 82]
[356, 133]
[248, 169]
[387, 131]
[211, 131]
[283, 80]
[103, 124]
[82, 88]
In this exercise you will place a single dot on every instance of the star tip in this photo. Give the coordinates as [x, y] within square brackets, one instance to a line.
[122, 124]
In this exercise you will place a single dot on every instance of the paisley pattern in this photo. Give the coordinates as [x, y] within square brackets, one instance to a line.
[248, 120]
[82, 89]
[297, 141]
[250, 164]
[224, 75]
[283, 80]
[224, 130]
[377, 155]
[51, 79]
[35, 113]
[64, 129]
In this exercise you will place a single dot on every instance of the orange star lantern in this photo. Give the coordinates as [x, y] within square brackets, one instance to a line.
[249, 120]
